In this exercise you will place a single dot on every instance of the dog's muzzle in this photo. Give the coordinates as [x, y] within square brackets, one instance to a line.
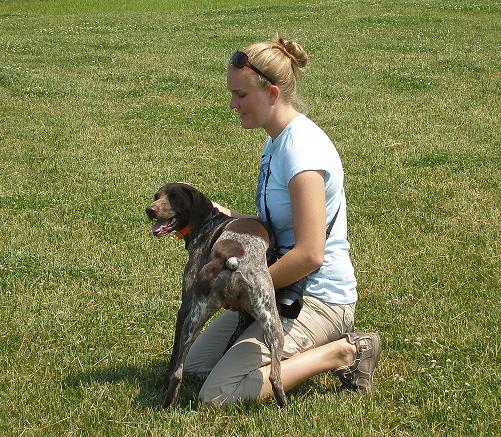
[160, 227]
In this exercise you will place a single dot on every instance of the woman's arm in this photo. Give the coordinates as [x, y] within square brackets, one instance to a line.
[307, 193]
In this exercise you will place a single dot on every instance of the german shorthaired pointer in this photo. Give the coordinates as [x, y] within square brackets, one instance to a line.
[227, 266]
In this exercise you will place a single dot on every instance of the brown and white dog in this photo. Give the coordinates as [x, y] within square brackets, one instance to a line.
[227, 266]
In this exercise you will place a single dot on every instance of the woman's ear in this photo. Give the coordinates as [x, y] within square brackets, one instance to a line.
[274, 93]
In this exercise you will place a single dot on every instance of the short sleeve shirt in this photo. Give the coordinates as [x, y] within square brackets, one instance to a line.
[303, 146]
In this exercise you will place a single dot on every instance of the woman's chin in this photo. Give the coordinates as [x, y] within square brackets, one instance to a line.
[247, 124]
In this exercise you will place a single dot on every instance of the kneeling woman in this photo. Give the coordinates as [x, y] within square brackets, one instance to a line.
[300, 194]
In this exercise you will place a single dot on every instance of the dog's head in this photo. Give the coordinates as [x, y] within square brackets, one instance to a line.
[178, 208]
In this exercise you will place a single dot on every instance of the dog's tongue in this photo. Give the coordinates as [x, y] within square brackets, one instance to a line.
[160, 229]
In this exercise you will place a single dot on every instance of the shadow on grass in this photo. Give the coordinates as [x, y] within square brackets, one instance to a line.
[151, 389]
[148, 379]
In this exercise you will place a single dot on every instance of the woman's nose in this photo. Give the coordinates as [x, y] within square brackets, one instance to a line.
[233, 104]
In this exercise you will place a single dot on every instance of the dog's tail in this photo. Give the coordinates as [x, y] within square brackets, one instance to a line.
[232, 263]
[214, 267]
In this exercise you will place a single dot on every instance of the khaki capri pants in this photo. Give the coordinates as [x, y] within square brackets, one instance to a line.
[239, 374]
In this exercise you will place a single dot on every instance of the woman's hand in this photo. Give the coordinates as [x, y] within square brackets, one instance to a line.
[231, 213]
[221, 208]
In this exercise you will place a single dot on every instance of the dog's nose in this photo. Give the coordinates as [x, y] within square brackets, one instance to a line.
[150, 212]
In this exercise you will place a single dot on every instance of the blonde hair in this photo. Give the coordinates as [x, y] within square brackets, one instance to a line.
[282, 61]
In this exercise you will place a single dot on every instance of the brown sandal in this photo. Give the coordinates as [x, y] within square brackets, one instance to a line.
[359, 376]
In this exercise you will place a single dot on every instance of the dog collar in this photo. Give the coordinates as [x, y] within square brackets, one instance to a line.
[182, 233]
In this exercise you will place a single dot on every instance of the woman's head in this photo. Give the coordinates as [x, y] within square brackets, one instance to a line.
[280, 63]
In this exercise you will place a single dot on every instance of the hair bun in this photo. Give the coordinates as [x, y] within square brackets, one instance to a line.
[294, 51]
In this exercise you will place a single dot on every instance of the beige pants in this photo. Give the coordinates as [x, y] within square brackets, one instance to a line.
[239, 374]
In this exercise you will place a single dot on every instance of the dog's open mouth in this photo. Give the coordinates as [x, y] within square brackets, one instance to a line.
[163, 227]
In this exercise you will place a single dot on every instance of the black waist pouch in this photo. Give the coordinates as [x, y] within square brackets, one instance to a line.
[290, 299]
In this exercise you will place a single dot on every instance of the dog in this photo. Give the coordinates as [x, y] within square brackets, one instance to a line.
[227, 266]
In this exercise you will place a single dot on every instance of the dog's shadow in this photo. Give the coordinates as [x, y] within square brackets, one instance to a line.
[148, 379]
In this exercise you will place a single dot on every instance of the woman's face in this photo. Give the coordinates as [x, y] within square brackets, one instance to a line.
[250, 100]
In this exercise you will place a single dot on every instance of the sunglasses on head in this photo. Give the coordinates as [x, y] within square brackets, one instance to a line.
[240, 60]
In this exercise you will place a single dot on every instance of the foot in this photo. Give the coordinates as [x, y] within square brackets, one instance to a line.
[359, 376]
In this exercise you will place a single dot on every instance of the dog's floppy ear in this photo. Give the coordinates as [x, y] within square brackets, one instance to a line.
[201, 206]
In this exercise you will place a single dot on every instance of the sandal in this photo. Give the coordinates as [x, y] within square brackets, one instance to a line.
[359, 376]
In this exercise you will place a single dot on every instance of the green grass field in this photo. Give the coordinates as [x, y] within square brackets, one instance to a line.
[103, 102]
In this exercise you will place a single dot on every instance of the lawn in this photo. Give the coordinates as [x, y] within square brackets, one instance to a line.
[103, 102]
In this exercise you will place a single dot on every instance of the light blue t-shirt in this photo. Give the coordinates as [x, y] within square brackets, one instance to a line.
[302, 146]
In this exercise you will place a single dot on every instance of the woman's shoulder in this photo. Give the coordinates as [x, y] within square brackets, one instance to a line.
[304, 128]
[307, 137]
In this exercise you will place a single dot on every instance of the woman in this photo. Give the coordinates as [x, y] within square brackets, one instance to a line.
[300, 194]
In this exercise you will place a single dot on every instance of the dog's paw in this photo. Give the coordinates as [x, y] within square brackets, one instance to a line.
[168, 402]
[280, 397]
[171, 394]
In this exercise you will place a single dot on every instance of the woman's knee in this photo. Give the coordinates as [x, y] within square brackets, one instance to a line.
[208, 395]
[219, 392]
[216, 394]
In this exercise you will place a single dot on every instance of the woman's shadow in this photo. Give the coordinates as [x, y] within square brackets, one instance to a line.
[150, 381]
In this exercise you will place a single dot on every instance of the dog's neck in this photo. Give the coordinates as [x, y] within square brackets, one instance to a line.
[192, 236]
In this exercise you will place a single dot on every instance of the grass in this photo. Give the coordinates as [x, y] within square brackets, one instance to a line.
[103, 102]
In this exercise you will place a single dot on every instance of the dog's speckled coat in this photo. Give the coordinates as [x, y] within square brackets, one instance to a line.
[227, 265]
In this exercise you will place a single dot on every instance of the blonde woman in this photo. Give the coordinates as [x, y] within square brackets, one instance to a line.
[300, 195]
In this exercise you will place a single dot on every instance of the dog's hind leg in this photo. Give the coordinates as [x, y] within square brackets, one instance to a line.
[241, 287]
[274, 339]
[261, 306]
[244, 321]
[266, 314]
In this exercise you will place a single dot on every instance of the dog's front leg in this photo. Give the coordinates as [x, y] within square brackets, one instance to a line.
[181, 317]
[200, 313]
[184, 310]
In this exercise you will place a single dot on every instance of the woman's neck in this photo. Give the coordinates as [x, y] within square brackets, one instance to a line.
[282, 117]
